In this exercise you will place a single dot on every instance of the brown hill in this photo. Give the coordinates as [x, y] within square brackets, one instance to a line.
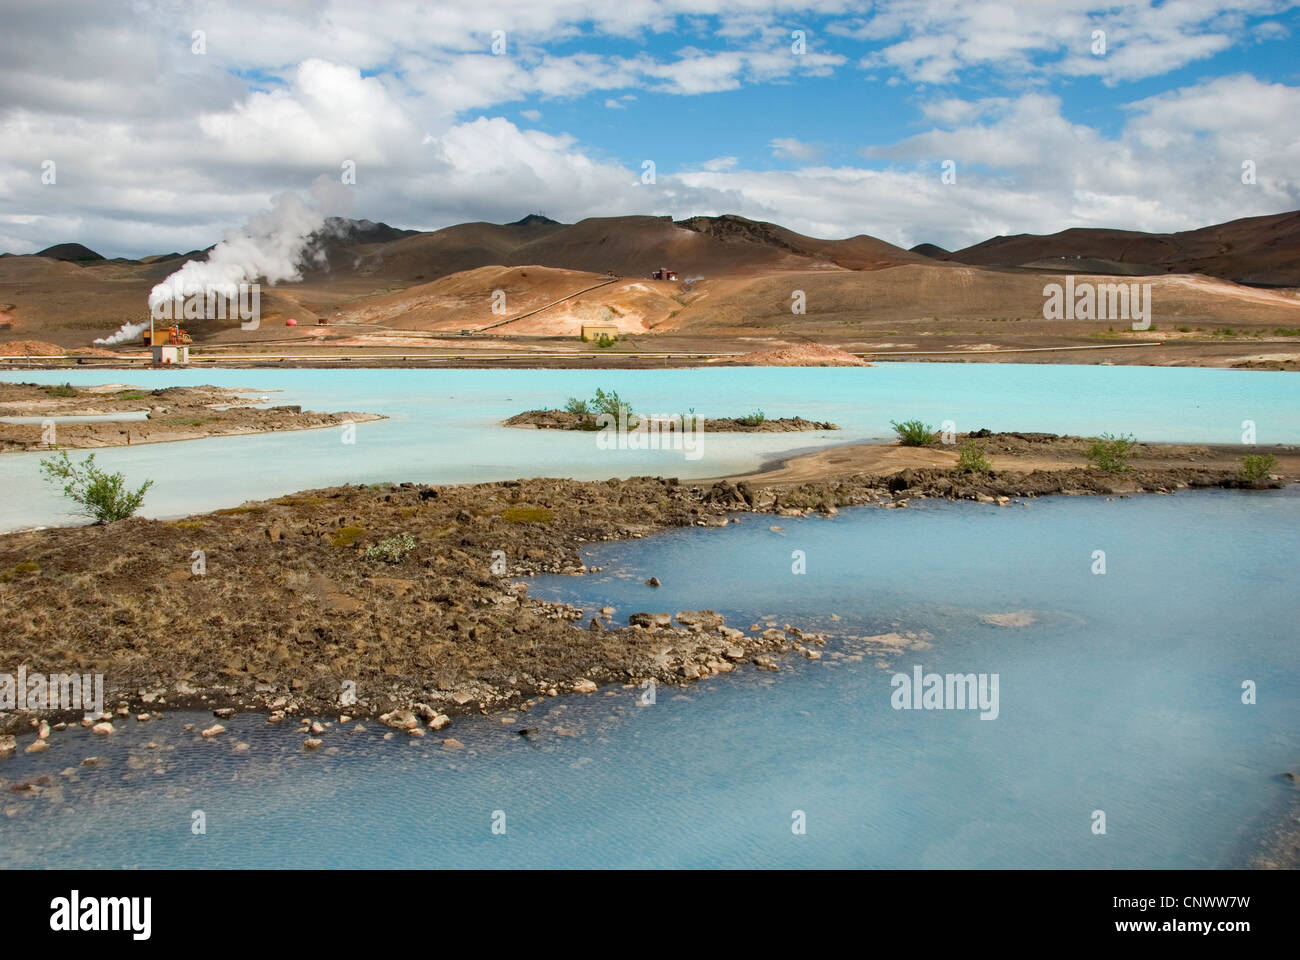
[1259, 250]
[465, 300]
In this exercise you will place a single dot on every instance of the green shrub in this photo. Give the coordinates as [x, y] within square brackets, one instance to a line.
[1255, 467]
[606, 340]
[61, 390]
[754, 419]
[971, 458]
[580, 407]
[102, 496]
[391, 549]
[914, 433]
[609, 403]
[1111, 453]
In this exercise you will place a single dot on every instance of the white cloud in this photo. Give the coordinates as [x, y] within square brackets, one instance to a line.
[721, 163]
[935, 41]
[789, 148]
[159, 148]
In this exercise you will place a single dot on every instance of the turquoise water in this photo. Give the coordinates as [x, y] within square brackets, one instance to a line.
[444, 424]
[1124, 696]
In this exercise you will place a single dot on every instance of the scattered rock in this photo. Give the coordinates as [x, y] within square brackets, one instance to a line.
[650, 620]
[584, 686]
[400, 720]
[1016, 618]
[103, 729]
[215, 730]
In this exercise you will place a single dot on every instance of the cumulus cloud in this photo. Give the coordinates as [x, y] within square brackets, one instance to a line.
[160, 148]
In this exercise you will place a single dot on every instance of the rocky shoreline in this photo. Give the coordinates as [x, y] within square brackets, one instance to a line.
[564, 420]
[171, 413]
[408, 597]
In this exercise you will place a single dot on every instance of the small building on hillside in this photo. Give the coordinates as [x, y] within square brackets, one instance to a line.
[595, 331]
[663, 273]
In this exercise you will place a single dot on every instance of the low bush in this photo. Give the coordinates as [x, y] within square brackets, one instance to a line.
[1256, 467]
[914, 433]
[971, 458]
[102, 496]
[1111, 453]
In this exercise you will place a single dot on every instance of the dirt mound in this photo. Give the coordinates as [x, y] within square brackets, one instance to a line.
[31, 348]
[42, 348]
[802, 355]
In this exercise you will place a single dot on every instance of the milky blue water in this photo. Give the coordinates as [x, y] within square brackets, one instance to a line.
[1124, 695]
[443, 425]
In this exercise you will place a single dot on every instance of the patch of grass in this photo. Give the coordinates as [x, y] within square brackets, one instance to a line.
[1223, 332]
[130, 395]
[971, 458]
[1184, 329]
[755, 419]
[914, 433]
[300, 501]
[1286, 331]
[1255, 467]
[21, 570]
[1111, 452]
[526, 514]
[61, 390]
[236, 511]
[391, 549]
[102, 496]
[347, 536]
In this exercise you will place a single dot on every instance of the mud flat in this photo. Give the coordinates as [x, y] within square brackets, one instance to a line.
[300, 598]
[1047, 462]
[171, 413]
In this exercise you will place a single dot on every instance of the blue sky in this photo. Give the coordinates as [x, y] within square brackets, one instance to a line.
[171, 122]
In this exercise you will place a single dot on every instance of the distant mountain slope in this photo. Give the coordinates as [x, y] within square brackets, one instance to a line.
[1261, 250]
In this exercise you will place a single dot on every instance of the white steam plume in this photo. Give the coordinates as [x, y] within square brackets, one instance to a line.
[129, 331]
[270, 247]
